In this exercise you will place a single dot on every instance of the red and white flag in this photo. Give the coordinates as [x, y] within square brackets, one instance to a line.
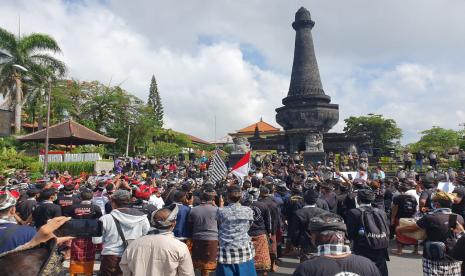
[241, 168]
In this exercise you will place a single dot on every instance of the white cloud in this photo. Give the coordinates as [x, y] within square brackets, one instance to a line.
[194, 85]
[399, 58]
[416, 96]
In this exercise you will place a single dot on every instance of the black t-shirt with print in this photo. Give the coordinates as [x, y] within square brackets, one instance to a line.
[85, 210]
[66, 202]
[353, 265]
[400, 201]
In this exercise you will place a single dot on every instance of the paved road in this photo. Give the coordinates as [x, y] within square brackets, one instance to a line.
[406, 265]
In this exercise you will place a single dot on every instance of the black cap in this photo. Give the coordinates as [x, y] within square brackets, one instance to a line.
[264, 190]
[326, 222]
[68, 189]
[234, 189]
[311, 196]
[47, 193]
[32, 192]
[366, 195]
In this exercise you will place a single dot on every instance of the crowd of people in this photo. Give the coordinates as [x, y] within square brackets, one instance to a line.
[166, 217]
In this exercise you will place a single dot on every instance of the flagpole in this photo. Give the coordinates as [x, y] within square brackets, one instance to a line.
[215, 128]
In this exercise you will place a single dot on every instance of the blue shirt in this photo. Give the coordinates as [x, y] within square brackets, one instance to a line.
[181, 230]
[21, 235]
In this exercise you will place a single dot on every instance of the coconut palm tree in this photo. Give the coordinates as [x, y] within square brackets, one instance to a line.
[32, 52]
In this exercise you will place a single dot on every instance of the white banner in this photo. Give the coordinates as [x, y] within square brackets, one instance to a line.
[348, 175]
[447, 187]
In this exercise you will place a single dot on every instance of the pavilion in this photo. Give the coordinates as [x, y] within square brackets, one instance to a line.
[68, 133]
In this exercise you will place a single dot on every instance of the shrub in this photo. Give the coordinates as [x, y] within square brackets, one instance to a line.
[11, 159]
[74, 168]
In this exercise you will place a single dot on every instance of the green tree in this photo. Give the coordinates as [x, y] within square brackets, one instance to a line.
[382, 131]
[31, 52]
[144, 128]
[163, 149]
[107, 110]
[154, 101]
[438, 139]
[171, 136]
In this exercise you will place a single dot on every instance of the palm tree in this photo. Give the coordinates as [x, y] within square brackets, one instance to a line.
[31, 52]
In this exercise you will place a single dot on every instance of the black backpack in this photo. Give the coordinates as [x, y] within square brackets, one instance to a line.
[376, 229]
[409, 206]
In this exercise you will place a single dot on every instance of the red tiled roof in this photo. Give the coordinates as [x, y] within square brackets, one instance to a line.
[263, 127]
[194, 139]
[197, 140]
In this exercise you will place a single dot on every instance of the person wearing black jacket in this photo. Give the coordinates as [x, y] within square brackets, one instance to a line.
[328, 196]
[458, 251]
[259, 230]
[268, 199]
[82, 249]
[355, 231]
[66, 199]
[84, 209]
[327, 231]
[26, 207]
[293, 203]
[299, 231]
[46, 209]
[458, 206]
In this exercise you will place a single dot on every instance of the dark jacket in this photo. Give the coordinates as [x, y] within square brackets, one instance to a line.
[261, 219]
[298, 231]
[274, 212]
[360, 245]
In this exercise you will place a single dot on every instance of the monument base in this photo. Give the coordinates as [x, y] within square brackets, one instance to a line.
[234, 158]
[314, 157]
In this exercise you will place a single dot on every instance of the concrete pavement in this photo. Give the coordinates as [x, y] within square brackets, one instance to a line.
[405, 265]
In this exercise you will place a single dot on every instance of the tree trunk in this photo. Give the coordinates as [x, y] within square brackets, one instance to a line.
[18, 105]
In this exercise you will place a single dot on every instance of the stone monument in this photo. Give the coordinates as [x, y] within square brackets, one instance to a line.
[307, 112]
[241, 147]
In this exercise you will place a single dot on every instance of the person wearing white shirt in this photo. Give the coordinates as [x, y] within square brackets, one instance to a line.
[156, 199]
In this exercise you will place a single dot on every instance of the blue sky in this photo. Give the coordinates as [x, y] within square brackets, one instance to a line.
[232, 59]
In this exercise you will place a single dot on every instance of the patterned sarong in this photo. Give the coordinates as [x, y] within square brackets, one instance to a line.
[262, 253]
[403, 239]
[204, 254]
[82, 256]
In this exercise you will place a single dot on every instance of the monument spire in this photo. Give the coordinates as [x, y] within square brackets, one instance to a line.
[307, 112]
[305, 78]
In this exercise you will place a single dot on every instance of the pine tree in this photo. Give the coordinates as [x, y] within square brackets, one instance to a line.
[154, 102]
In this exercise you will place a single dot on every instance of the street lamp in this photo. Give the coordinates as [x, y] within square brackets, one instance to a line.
[47, 126]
